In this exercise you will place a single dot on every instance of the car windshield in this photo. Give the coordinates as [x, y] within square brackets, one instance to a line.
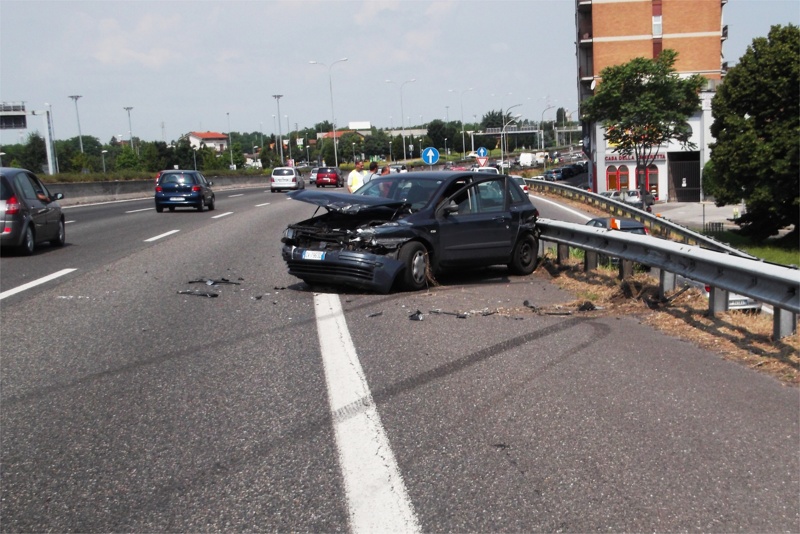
[177, 178]
[415, 191]
[5, 189]
[283, 172]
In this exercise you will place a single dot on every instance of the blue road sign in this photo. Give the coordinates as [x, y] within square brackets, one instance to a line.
[430, 155]
[482, 152]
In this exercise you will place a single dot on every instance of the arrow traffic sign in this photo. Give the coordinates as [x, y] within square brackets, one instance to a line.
[430, 155]
[482, 162]
[482, 153]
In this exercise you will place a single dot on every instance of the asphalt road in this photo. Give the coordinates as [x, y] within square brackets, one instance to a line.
[128, 406]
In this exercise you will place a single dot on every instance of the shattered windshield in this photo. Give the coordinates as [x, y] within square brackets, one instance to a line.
[414, 191]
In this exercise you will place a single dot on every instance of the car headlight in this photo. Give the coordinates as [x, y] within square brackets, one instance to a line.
[288, 233]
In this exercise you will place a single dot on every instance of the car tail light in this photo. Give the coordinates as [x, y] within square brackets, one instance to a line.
[196, 189]
[646, 231]
[158, 189]
[12, 206]
[614, 224]
[708, 288]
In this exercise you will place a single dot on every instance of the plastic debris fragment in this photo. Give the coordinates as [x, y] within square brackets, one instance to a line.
[376, 314]
[198, 293]
[416, 316]
[587, 306]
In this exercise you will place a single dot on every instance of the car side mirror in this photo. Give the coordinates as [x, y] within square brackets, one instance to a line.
[452, 207]
[58, 196]
[210, 183]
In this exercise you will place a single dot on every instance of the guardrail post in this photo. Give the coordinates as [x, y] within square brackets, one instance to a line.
[590, 260]
[625, 269]
[666, 283]
[562, 253]
[717, 300]
[784, 323]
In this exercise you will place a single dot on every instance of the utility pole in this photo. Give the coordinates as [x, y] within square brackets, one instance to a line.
[80, 137]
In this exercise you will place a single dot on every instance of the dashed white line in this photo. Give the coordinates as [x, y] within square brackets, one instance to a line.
[222, 215]
[260, 205]
[377, 498]
[156, 238]
[35, 283]
[237, 195]
[137, 211]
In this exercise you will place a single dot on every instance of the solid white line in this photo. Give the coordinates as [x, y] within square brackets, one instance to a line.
[239, 195]
[35, 283]
[67, 222]
[579, 214]
[137, 211]
[259, 205]
[376, 494]
[222, 215]
[156, 238]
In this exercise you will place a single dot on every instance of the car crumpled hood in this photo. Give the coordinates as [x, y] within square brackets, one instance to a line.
[344, 202]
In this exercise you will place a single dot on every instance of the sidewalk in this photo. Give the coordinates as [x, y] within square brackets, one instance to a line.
[694, 214]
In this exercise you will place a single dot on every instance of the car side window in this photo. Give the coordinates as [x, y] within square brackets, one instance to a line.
[25, 186]
[515, 193]
[491, 195]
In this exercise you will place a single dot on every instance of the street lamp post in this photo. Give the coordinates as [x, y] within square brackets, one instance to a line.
[354, 153]
[402, 113]
[80, 137]
[103, 154]
[463, 137]
[194, 148]
[230, 146]
[445, 149]
[280, 136]
[51, 126]
[503, 133]
[541, 130]
[333, 115]
[288, 136]
[130, 129]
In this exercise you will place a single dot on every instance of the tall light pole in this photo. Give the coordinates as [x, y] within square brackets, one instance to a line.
[333, 115]
[51, 126]
[289, 135]
[280, 136]
[402, 113]
[230, 146]
[541, 130]
[130, 129]
[194, 148]
[103, 153]
[463, 137]
[503, 133]
[80, 137]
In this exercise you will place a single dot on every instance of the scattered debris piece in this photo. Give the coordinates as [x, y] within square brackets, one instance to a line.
[587, 306]
[559, 313]
[528, 304]
[213, 282]
[198, 293]
[376, 314]
[416, 316]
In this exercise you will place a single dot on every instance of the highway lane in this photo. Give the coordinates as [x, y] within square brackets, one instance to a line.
[132, 407]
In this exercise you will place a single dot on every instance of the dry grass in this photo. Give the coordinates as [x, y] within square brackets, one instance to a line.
[738, 336]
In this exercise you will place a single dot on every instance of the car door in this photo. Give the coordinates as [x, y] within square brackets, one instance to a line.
[481, 231]
[42, 215]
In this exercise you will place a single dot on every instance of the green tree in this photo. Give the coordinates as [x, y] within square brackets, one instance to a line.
[34, 154]
[643, 104]
[756, 153]
[127, 160]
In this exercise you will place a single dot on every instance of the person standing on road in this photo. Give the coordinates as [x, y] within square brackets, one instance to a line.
[373, 171]
[356, 177]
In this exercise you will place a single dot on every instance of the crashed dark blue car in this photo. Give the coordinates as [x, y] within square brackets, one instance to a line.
[401, 230]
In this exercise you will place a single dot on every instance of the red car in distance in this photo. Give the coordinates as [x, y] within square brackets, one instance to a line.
[329, 176]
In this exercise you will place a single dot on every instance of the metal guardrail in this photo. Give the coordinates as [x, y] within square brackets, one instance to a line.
[766, 282]
[657, 226]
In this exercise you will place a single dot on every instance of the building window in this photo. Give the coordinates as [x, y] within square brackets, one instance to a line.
[657, 26]
[657, 47]
[611, 179]
[622, 175]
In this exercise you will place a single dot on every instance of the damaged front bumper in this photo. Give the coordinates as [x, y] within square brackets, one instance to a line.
[363, 270]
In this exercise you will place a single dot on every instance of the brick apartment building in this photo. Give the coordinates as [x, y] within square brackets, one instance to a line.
[612, 32]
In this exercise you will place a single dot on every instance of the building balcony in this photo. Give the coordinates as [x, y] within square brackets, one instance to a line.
[725, 32]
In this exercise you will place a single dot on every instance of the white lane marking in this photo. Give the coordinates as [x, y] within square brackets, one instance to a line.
[222, 215]
[579, 214]
[156, 238]
[376, 494]
[265, 204]
[239, 195]
[35, 283]
[137, 211]
[105, 202]
[67, 222]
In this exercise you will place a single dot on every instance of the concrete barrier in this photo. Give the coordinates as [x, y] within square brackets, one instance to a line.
[88, 192]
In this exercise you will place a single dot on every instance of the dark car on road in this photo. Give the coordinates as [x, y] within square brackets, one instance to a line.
[402, 229]
[184, 189]
[329, 176]
[29, 212]
[616, 223]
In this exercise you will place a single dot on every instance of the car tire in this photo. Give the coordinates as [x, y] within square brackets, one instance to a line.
[159, 208]
[172, 208]
[202, 206]
[28, 241]
[212, 205]
[524, 256]
[414, 256]
[61, 236]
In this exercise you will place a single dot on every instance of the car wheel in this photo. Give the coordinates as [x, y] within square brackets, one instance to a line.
[524, 256]
[414, 256]
[212, 204]
[172, 208]
[202, 206]
[28, 241]
[159, 208]
[61, 236]
[271, 190]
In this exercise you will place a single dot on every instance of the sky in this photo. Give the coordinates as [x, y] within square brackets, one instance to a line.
[205, 65]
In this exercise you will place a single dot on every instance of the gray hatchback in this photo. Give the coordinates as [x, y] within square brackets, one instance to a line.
[29, 213]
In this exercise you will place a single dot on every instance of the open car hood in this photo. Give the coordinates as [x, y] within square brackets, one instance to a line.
[344, 202]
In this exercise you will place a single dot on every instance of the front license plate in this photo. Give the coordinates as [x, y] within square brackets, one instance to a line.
[176, 199]
[313, 255]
